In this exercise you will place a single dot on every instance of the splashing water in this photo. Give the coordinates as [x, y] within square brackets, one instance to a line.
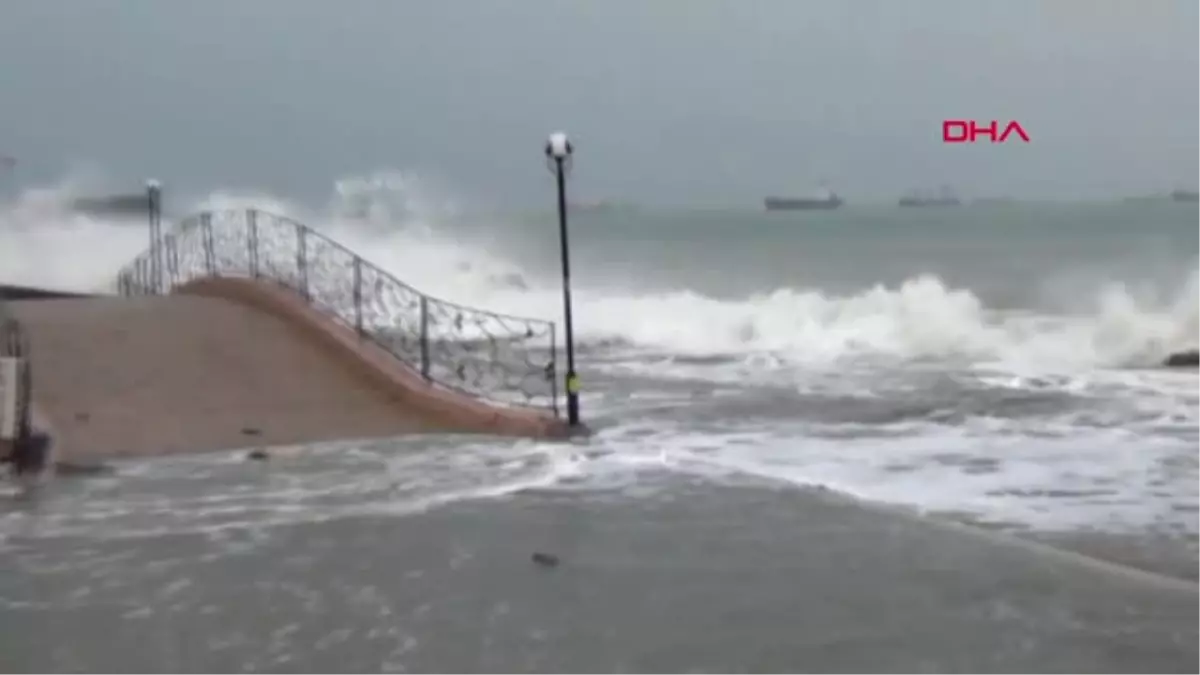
[390, 218]
[856, 348]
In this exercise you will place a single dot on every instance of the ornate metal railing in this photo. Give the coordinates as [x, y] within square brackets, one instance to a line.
[501, 358]
[15, 424]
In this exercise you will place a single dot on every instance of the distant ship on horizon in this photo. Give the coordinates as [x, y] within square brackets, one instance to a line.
[112, 205]
[1185, 196]
[944, 197]
[824, 200]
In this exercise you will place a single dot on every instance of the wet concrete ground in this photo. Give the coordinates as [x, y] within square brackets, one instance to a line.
[696, 578]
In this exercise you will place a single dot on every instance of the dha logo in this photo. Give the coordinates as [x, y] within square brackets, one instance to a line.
[968, 131]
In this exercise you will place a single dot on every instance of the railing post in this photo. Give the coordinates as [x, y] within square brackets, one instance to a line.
[154, 209]
[25, 407]
[15, 392]
[553, 374]
[206, 235]
[302, 259]
[16, 395]
[252, 241]
[172, 261]
[358, 309]
[425, 337]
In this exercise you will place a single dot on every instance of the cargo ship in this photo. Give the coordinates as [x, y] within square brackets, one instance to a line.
[114, 205]
[1184, 195]
[824, 200]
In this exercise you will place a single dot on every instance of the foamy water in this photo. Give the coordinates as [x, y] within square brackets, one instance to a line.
[916, 393]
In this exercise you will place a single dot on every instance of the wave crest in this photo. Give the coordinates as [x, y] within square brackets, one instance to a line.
[406, 225]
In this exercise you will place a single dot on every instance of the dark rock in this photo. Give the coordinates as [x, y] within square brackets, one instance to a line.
[1189, 358]
[29, 455]
[251, 431]
[545, 559]
[258, 455]
[10, 292]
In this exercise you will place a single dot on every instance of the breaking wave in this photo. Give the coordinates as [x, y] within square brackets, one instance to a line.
[409, 227]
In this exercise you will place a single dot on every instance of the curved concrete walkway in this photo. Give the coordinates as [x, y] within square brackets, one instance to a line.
[225, 364]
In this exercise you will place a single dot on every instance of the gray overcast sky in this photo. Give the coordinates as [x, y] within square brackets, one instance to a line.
[696, 101]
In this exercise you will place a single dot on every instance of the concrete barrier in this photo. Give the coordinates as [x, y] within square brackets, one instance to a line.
[225, 364]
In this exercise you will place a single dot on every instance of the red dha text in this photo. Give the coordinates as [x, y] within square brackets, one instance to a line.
[967, 131]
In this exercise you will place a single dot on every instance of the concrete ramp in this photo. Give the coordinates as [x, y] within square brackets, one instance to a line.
[155, 375]
[245, 329]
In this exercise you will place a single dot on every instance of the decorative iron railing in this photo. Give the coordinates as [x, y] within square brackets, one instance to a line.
[501, 358]
[16, 387]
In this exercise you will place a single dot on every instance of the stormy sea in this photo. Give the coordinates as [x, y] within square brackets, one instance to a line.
[865, 439]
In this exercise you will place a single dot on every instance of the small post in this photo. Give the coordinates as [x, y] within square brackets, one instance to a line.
[252, 241]
[154, 211]
[550, 374]
[358, 309]
[172, 259]
[559, 152]
[425, 337]
[302, 259]
[10, 392]
[206, 236]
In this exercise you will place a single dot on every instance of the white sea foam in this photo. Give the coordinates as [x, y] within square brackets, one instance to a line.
[328, 481]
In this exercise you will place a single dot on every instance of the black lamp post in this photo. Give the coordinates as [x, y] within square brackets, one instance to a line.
[558, 158]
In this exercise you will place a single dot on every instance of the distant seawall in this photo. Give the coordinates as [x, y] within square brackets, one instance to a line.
[10, 292]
